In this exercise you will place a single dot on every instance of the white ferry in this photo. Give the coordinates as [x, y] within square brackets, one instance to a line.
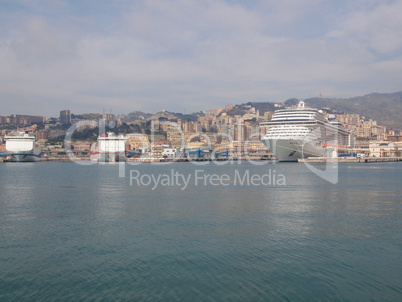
[22, 147]
[110, 148]
[304, 132]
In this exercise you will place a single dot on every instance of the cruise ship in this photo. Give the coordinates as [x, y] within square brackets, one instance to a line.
[110, 148]
[305, 132]
[22, 147]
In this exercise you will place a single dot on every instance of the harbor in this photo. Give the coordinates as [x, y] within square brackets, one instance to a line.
[200, 151]
[65, 158]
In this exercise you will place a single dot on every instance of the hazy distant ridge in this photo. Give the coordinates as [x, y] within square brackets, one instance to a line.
[385, 108]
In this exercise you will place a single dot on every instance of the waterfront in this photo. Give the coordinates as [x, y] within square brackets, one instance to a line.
[74, 232]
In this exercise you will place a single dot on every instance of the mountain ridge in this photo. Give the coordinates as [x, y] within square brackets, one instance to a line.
[385, 108]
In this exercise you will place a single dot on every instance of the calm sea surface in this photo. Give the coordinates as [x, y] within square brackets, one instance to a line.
[70, 233]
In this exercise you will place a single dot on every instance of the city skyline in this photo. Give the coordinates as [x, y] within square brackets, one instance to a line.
[185, 56]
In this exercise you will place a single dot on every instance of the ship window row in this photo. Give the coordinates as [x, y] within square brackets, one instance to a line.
[294, 116]
[291, 119]
[294, 122]
[289, 129]
[296, 112]
[288, 132]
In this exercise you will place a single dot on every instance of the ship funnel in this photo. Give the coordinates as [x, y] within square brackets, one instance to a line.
[301, 104]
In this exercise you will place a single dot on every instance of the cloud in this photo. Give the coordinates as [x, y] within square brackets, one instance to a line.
[193, 54]
[377, 28]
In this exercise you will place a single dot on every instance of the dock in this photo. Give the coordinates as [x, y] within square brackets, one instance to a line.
[349, 159]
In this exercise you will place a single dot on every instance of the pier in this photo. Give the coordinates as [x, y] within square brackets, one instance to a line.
[349, 159]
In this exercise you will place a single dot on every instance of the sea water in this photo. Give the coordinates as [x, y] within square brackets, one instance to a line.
[71, 232]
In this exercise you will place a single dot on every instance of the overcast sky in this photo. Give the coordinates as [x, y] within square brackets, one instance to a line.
[184, 56]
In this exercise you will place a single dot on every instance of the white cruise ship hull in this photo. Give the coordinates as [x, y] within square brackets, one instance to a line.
[107, 157]
[302, 132]
[23, 157]
[110, 148]
[22, 148]
[290, 150]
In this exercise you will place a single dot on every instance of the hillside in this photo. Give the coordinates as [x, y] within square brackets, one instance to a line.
[134, 116]
[243, 108]
[385, 108]
[138, 115]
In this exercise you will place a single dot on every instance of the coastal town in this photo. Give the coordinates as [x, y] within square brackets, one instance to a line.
[234, 131]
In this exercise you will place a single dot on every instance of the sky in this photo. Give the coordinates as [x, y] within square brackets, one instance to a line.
[183, 56]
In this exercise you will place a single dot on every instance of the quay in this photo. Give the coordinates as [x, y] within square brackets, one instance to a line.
[348, 159]
[300, 160]
[182, 160]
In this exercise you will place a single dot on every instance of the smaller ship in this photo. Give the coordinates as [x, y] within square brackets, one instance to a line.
[22, 148]
[110, 148]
